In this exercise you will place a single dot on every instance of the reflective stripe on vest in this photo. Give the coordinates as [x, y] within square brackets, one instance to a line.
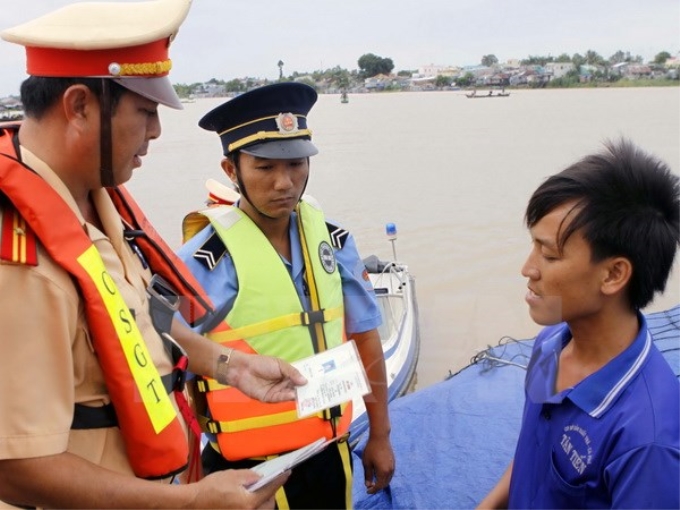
[269, 318]
[155, 440]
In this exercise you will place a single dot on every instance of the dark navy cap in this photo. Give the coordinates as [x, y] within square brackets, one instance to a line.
[268, 122]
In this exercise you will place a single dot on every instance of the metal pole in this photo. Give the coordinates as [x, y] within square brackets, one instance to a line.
[391, 231]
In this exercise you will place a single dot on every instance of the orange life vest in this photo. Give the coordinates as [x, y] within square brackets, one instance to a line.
[194, 305]
[155, 440]
[244, 427]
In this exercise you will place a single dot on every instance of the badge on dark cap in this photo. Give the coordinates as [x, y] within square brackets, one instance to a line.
[287, 123]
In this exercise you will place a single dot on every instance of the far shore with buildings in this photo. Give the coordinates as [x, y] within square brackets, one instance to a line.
[511, 74]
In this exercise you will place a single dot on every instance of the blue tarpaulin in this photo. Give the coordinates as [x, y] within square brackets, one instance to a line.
[454, 440]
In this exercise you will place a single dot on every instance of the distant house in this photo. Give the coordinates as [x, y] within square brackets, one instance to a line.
[518, 79]
[673, 62]
[536, 77]
[587, 72]
[211, 90]
[378, 82]
[631, 70]
[484, 79]
[636, 71]
[418, 83]
[559, 69]
[429, 71]
[497, 79]
[478, 71]
[619, 69]
[672, 66]
[531, 75]
[450, 71]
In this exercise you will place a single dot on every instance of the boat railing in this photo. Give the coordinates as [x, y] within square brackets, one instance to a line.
[389, 287]
[396, 269]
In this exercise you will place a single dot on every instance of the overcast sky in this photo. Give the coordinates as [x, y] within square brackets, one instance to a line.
[228, 39]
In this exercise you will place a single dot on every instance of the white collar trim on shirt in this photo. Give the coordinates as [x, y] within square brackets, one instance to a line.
[619, 386]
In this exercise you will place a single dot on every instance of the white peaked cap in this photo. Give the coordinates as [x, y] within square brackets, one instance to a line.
[125, 41]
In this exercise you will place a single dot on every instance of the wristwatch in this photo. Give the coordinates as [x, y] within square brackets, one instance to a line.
[222, 367]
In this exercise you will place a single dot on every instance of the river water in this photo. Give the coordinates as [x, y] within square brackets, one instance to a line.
[453, 174]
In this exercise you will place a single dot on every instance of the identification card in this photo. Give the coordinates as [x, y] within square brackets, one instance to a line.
[333, 377]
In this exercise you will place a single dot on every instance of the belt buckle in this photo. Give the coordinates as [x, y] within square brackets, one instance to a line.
[160, 289]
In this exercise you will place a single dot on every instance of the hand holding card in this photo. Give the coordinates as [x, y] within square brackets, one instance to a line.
[333, 377]
[272, 468]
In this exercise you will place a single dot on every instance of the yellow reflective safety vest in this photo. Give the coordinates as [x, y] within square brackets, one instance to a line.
[268, 318]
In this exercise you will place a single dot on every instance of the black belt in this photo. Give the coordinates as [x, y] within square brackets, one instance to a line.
[87, 417]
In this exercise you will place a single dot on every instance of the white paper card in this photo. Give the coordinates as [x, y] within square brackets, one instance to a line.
[333, 377]
[270, 469]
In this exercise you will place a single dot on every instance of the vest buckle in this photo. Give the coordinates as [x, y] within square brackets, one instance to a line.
[163, 303]
[313, 317]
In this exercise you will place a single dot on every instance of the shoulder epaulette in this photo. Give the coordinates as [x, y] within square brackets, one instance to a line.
[18, 243]
[211, 252]
[338, 235]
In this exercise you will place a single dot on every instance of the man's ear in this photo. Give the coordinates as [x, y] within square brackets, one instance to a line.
[229, 169]
[78, 103]
[618, 272]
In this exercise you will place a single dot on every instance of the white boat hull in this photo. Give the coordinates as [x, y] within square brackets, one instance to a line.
[400, 336]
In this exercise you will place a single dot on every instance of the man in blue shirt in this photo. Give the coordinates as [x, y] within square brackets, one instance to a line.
[290, 284]
[601, 423]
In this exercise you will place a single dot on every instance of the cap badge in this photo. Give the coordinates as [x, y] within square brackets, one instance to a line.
[287, 123]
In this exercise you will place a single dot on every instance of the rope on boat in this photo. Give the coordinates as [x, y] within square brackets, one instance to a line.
[495, 356]
[665, 328]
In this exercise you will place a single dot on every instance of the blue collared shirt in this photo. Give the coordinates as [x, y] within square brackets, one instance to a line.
[361, 309]
[611, 441]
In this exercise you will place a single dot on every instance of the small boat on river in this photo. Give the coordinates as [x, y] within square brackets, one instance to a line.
[485, 95]
[399, 333]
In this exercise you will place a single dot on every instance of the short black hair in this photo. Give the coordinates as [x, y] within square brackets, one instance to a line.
[627, 204]
[234, 157]
[39, 93]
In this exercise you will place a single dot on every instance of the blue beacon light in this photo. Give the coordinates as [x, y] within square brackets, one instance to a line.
[391, 231]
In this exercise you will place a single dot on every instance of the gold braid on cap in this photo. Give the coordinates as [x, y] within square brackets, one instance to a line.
[146, 68]
[267, 135]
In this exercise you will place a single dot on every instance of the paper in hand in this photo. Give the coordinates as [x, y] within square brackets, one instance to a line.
[333, 377]
[272, 468]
